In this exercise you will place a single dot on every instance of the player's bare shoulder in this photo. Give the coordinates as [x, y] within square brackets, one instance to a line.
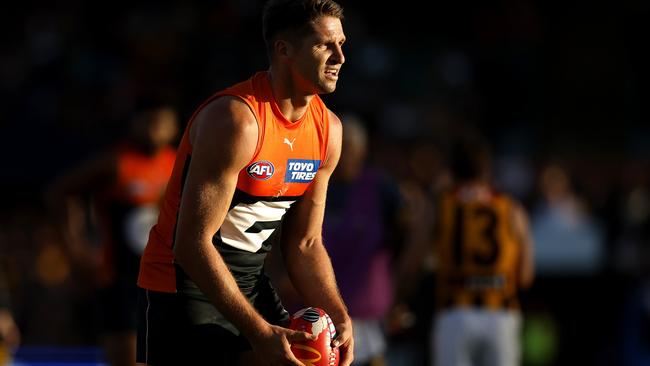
[224, 134]
[228, 115]
[335, 139]
[336, 127]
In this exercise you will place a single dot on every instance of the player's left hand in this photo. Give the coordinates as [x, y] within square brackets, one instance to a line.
[345, 342]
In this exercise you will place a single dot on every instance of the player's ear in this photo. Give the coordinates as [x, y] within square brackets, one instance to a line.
[283, 49]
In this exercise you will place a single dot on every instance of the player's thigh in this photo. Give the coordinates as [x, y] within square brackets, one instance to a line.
[211, 344]
[450, 339]
[167, 337]
[504, 340]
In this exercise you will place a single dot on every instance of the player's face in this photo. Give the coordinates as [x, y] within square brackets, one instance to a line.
[156, 128]
[318, 60]
[163, 127]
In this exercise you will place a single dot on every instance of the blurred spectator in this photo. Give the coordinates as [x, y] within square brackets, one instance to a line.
[631, 215]
[124, 185]
[410, 317]
[9, 332]
[360, 233]
[635, 242]
[484, 256]
[567, 239]
[635, 325]
[48, 297]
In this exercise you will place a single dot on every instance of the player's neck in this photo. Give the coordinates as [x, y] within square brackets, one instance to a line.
[478, 183]
[474, 190]
[291, 101]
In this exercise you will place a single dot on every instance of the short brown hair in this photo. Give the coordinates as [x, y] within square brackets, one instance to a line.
[293, 16]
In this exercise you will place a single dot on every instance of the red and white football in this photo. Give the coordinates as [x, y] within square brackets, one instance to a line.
[318, 352]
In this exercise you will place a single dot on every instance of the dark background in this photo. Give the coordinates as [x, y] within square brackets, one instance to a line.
[549, 83]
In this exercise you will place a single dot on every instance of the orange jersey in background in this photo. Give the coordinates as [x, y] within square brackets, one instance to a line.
[128, 207]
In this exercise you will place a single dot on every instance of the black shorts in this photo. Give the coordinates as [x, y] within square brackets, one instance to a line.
[167, 337]
[177, 329]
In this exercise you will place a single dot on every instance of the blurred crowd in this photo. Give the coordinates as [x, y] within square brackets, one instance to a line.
[557, 90]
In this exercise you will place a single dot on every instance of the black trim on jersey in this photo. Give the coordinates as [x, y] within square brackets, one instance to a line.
[243, 197]
[263, 225]
[275, 225]
[186, 168]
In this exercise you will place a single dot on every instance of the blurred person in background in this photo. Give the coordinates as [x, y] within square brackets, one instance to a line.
[484, 257]
[363, 233]
[567, 237]
[635, 318]
[255, 157]
[408, 322]
[9, 332]
[125, 186]
[569, 255]
[634, 259]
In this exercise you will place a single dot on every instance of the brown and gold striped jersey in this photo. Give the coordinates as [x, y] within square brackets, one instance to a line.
[477, 250]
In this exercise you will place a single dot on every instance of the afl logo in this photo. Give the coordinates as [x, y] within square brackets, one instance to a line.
[261, 170]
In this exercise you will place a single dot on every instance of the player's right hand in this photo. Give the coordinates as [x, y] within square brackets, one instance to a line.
[273, 347]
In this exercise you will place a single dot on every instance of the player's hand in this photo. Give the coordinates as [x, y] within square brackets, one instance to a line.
[273, 347]
[345, 342]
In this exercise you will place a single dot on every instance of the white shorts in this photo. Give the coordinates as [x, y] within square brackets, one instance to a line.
[369, 340]
[476, 337]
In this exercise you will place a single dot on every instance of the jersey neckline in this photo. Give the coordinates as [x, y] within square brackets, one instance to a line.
[276, 108]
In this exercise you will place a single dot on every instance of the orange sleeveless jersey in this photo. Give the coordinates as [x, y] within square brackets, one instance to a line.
[286, 159]
[126, 205]
[141, 178]
[477, 251]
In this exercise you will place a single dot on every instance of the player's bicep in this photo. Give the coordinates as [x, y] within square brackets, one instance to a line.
[224, 137]
[334, 144]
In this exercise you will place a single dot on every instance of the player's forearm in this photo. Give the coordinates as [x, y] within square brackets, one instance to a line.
[526, 275]
[207, 269]
[311, 273]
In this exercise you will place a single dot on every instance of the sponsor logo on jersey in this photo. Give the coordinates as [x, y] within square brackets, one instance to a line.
[261, 170]
[301, 170]
[290, 143]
